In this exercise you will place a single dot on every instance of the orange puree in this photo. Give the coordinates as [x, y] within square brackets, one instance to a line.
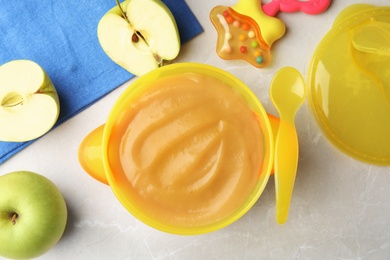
[190, 150]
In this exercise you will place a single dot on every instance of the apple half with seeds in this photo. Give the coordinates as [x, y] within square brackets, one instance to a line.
[29, 103]
[139, 35]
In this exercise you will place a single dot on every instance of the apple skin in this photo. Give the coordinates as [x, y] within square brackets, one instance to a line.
[41, 215]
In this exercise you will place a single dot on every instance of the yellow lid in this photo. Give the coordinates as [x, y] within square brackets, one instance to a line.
[349, 83]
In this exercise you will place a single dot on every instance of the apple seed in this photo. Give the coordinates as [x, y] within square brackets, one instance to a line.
[134, 38]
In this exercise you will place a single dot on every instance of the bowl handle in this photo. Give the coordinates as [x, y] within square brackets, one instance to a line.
[90, 154]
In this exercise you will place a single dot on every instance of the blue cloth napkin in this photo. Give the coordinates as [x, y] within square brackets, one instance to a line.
[61, 37]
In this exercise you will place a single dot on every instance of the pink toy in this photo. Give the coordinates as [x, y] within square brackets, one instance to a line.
[289, 6]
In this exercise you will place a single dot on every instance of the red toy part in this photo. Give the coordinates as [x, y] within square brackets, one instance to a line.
[308, 7]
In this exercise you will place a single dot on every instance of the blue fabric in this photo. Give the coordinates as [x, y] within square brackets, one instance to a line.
[61, 37]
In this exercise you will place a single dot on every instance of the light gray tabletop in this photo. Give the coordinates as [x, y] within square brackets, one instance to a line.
[340, 207]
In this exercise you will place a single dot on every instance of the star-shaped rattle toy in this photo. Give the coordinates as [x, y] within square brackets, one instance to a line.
[247, 30]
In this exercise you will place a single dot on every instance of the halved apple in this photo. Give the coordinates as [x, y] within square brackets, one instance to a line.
[29, 104]
[139, 35]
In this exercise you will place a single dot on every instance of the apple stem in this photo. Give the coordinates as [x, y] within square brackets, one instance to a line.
[123, 13]
[158, 59]
[13, 219]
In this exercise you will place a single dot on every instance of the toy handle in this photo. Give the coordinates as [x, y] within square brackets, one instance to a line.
[90, 154]
[272, 8]
[289, 6]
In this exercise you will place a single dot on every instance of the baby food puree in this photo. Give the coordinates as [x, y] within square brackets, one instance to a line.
[189, 150]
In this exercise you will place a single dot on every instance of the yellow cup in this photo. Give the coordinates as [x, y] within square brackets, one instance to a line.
[94, 152]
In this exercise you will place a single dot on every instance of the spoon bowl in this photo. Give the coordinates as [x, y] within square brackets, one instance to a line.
[287, 93]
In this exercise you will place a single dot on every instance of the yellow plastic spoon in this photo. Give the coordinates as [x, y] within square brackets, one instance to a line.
[287, 93]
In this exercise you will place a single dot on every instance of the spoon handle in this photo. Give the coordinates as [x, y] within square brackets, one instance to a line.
[285, 167]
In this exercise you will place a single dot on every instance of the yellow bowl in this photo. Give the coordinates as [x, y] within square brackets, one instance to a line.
[95, 151]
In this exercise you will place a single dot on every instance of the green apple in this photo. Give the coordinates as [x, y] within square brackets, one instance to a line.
[139, 35]
[29, 104]
[33, 215]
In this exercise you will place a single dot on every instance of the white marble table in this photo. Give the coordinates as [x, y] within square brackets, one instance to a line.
[340, 207]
